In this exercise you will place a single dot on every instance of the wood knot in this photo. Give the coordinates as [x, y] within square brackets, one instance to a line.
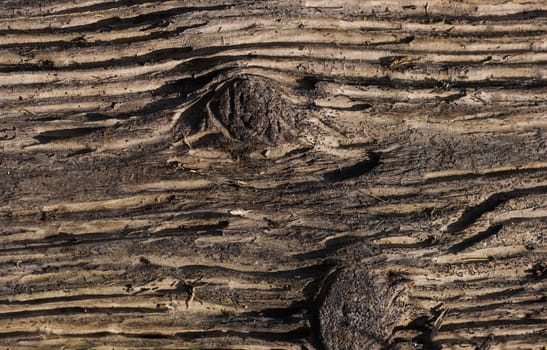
[249, 111]
[361, 309]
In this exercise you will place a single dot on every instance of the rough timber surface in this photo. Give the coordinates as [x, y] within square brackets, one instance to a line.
[220, 175]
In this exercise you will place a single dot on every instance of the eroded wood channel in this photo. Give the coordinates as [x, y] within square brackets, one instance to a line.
[207, 174]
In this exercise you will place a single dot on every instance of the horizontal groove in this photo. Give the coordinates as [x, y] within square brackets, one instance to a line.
[452, 327]
[453, 291]
[298, 333]
[436, 13]
[60, 299]
[115, 31]
[70, 240]
[493, 296]
[188, 52]
[102, 6]
[116, 23]
[118, 272]
[80, 310]
[81, 43]
[499, 306]
[463, 174]
[527, 340]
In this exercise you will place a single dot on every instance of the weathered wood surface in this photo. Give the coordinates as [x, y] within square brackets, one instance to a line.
[193, 173]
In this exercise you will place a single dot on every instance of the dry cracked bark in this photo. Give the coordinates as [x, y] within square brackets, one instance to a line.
[279, 174]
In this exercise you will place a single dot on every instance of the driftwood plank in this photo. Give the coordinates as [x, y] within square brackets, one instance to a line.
[279, 174]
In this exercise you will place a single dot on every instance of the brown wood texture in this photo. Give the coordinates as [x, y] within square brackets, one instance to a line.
[192, 174]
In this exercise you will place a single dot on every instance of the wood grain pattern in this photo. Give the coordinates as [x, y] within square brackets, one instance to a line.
[189, 174]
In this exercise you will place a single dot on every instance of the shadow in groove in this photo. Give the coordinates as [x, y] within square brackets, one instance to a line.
[355, 170]
[481, 236]
[472, 214]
